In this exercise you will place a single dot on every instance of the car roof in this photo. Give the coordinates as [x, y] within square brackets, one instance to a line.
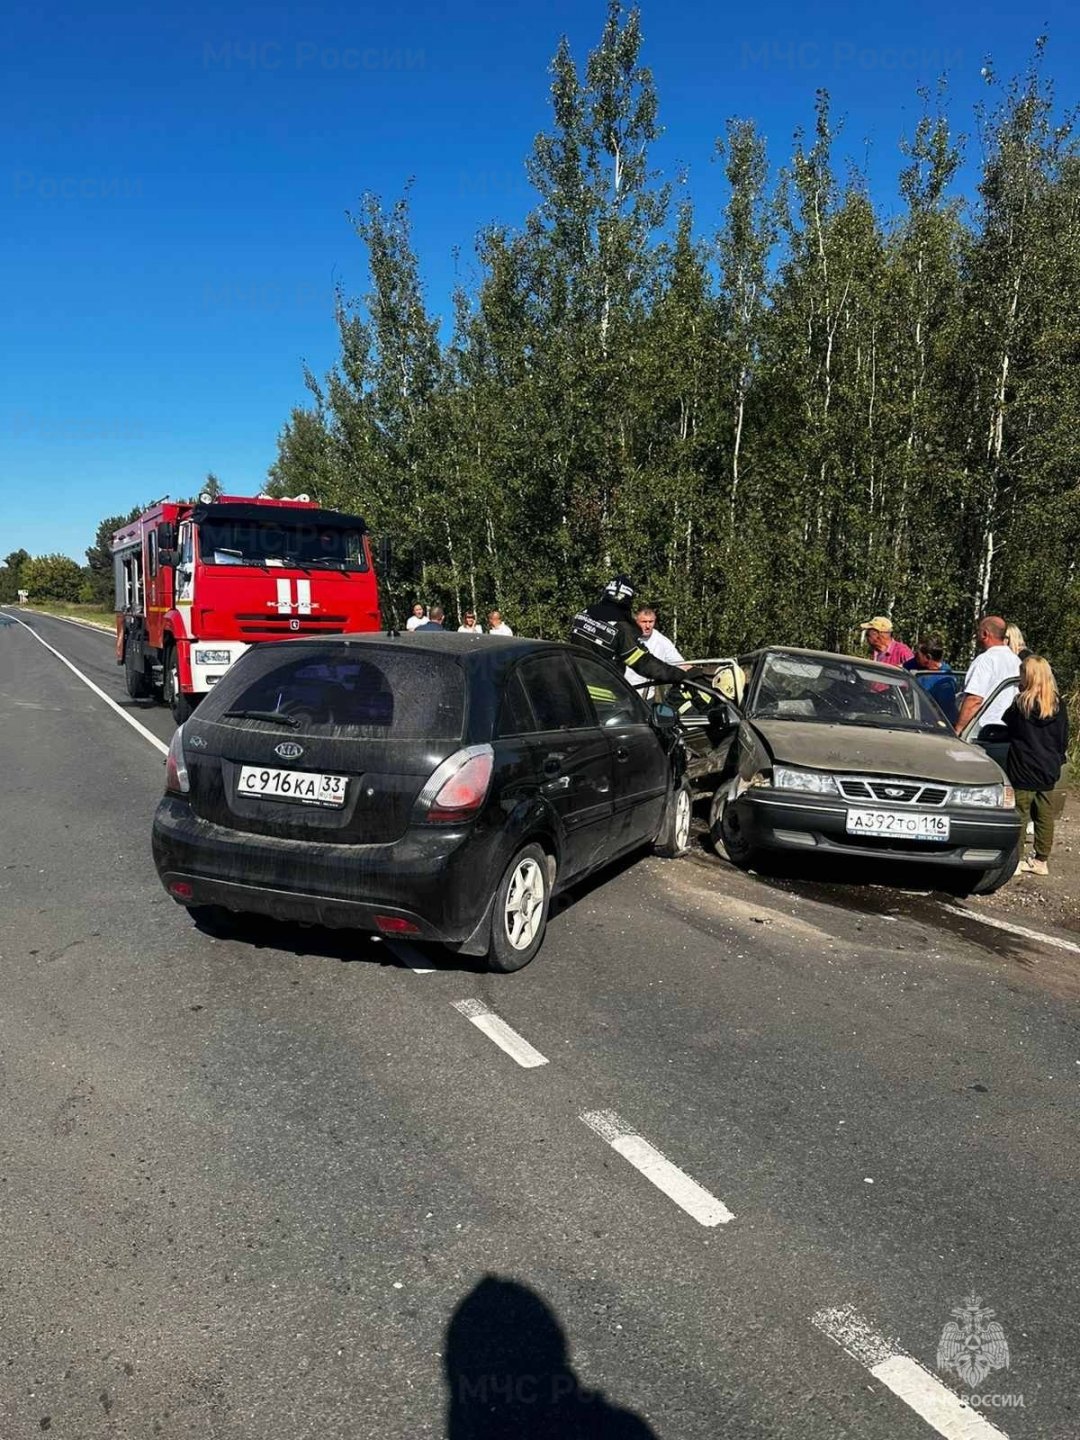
[474, 648]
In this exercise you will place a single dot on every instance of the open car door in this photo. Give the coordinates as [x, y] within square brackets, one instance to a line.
[993, 738]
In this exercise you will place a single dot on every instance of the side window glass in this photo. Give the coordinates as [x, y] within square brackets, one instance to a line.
[614, 702]
[515, 713]
[152, 546]
[555, 693]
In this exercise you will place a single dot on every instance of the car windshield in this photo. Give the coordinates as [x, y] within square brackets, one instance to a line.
[382, 694]
[841, 692]
[292, 543]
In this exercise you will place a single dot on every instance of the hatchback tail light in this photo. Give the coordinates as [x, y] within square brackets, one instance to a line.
[458, 788]
[176, 775]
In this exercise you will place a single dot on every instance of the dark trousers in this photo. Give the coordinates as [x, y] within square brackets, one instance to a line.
[1044, 807]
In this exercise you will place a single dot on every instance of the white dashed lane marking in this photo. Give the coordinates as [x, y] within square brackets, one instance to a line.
[157, 744]
[675, 1183]
[924, 1393]
[496, 1028]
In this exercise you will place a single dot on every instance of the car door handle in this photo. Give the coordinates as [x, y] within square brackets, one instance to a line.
[621, 752]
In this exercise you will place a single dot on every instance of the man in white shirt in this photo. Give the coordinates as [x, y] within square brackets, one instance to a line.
[995, 662]
[416, 618]
[469, 625]
[658, 644]
[497, 625]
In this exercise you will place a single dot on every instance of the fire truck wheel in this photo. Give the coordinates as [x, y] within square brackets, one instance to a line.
[139, 684]
[179, 703]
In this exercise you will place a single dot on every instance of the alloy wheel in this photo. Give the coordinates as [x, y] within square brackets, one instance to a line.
[524, 908]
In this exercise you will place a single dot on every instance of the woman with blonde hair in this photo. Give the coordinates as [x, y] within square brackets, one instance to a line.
[1014, 639]
[1038, 726]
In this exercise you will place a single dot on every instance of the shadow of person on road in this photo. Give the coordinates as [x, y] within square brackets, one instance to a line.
[506, 1368]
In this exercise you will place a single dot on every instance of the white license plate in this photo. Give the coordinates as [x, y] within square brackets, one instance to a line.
[300, 785]
[898, 824]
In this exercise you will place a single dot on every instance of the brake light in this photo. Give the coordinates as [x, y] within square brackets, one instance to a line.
[459, 787]
[176, 775]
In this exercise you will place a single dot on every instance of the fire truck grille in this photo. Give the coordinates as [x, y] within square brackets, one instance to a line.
[268, 627]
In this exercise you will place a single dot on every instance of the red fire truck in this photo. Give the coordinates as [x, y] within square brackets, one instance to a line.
[196, 584]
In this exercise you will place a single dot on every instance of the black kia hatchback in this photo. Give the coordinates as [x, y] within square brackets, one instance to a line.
[437, 786]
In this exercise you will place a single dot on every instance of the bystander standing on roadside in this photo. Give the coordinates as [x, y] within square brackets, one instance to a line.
[416, 618]
[434, 620]
[934, 673]
[469, 626]
[883, 645]
[1014, 638]
[1038, 726]
[994, 663]
[656, 643]
[497, 625]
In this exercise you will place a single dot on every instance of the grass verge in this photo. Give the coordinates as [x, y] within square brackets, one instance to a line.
[70, 611]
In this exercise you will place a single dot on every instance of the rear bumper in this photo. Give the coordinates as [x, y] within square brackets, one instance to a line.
[978, 839]
[439, 880]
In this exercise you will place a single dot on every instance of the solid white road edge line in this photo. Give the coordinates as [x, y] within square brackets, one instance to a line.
[1012, 929]
[675, 1183]
[931, 1400]
[409, 956]
[496, 1028]
[157, 744]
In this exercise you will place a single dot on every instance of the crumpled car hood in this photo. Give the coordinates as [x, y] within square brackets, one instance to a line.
[867, 750]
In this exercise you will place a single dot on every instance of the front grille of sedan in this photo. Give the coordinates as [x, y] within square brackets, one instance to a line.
[892, 792]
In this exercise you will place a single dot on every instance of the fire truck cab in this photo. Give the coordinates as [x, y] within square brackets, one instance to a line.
[196, 584]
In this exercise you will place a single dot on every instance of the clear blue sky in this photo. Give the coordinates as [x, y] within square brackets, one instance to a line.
[176, 188]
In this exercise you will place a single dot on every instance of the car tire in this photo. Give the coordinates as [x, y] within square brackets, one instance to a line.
[726, 838]
[181, 705]
[990, 880]
[139, 684]
[519, 915]
[673, 837]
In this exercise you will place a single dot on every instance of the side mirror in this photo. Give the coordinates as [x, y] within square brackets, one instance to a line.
[386, 554]
[169, 557]
[166, 537]
[664, 716]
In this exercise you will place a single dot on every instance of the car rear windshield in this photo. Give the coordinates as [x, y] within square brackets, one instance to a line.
[842, 692]
[378, 694]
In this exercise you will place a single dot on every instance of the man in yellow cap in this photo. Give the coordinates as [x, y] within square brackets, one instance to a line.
[879, 637]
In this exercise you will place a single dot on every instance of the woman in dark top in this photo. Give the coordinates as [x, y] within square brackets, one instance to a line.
[1038, 726]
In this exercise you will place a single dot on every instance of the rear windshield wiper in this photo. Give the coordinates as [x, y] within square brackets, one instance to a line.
[274, 716]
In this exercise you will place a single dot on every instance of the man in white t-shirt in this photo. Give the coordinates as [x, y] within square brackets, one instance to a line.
[497, 625]
[658, 644]
[995, 663]
[416, 618]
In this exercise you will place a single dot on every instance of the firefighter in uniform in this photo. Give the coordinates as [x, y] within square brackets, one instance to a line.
[607, 629]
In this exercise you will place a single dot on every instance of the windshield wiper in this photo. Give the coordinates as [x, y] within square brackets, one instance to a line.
[293, 562]
[274, 716]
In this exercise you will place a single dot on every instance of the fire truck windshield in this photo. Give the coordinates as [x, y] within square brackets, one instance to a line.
[291, 544]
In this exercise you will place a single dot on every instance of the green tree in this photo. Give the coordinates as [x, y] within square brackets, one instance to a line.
[51, 577]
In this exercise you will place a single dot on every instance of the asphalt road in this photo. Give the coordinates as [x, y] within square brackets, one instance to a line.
[281, 1186]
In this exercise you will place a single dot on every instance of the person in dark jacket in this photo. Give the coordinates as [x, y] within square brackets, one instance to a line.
[1038, 726]
[609, 631]
[934, 673]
